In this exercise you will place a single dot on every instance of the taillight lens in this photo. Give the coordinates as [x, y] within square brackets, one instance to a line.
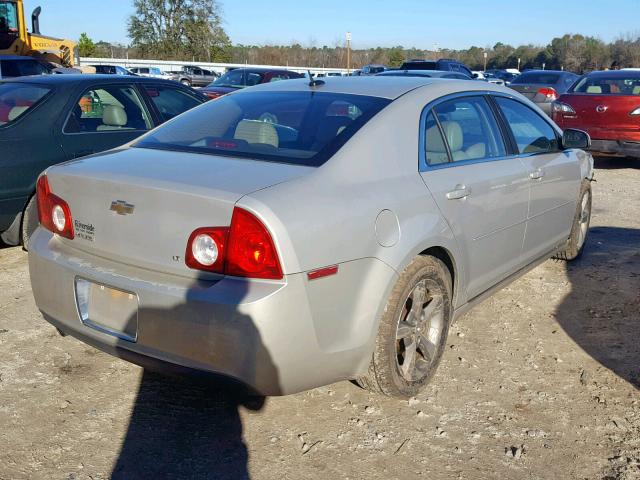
[53, 212]
[559, 107]
[635, 112]
[251, 252]
[549, 93]
[245, 249]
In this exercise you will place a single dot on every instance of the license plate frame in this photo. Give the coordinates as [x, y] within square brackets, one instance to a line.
[107, 309]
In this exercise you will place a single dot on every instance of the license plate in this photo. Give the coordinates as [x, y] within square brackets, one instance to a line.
[107, 309]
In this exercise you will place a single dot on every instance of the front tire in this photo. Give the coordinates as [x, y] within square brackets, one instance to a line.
[413, 330]
[580, 227]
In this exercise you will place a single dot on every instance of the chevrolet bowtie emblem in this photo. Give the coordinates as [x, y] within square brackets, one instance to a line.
[121, 207]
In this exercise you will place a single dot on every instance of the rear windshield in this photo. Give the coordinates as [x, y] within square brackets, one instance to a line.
[21, 68]
[303, 128]
[608, 85]
[238, 79]
[539, 78]
[17, 98]
[419, 66]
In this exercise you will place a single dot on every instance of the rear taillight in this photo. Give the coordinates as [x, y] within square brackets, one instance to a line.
[53, 212]
[245, 249]
[635, 112]
[549, 93]
[559, 107]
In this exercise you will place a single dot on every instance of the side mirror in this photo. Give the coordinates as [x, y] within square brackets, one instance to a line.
[572, 138]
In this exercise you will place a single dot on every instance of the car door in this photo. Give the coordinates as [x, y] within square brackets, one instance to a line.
[553, 176]
[101, 117]
[480, 189]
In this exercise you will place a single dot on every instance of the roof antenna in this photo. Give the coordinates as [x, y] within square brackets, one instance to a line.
[314, 82]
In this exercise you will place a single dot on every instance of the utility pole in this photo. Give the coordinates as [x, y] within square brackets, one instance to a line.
[348, 37]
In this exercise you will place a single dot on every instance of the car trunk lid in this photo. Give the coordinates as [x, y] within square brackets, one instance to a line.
[139, 206]
[602, 114]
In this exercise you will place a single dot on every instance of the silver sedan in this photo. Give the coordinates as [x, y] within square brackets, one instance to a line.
[299, 233]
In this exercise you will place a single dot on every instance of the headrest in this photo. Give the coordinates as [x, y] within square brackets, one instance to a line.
[257, 131]
[434, 140]
[15, 112]
[453, 134]
[114, 115]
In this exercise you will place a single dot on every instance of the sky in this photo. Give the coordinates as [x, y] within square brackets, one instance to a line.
[423, 24]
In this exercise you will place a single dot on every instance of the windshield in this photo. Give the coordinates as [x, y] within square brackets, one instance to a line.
[238, 79]
[304, 128]
[538, 78]
[609, 85]
[17, 98]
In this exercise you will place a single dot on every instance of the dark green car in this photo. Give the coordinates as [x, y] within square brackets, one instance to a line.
[50, 119]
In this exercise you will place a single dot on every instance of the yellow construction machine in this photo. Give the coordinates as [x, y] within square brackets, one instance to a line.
[16, 40]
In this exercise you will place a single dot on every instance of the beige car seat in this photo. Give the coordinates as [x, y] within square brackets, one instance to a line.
[257, 132]
[15, 112]
[113, 118]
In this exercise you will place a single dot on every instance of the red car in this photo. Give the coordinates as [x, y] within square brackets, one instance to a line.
[607, 106]
[246, 77]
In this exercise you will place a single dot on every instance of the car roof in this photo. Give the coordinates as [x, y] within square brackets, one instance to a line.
[260, 69]
[68, 79]
[626, 73]
[399, 72]
[381, 86]
[17, 57]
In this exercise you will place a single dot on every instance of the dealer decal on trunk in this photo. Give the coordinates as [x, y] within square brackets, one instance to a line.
[85, 231]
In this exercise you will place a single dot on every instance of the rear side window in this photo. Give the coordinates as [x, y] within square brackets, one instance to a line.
[108, 109]
[531, 132]
[304, 128]
[609, 85]
[171, 102]
[540, 78]
[469, 128]
[16, 99]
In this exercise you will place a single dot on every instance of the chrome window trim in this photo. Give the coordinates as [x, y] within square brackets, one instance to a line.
[423, 166]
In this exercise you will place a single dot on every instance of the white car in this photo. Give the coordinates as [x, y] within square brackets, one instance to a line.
[151, 72]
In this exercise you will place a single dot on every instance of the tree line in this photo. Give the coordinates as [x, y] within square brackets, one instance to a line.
[191, 30]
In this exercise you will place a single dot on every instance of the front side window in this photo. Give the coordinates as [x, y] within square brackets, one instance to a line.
[304, 128]
[107, 109]
[531, 132]
[470, 129]
[16, 99]
[171, 102]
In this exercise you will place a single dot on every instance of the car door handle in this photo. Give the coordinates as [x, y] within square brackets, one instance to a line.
[536, 174]
[460, 192]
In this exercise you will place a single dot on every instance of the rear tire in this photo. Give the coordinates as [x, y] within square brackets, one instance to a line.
[29, 222]
[580, 227]
[412, 334]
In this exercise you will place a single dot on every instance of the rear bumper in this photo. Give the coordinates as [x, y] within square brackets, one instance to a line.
[618, 147]
[275, 337]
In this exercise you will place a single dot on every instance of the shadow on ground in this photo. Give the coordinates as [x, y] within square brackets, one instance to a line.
[602, 311]
[182, 428]
[615, 163]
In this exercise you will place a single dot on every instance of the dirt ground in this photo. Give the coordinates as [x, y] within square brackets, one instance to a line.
[540, 381]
